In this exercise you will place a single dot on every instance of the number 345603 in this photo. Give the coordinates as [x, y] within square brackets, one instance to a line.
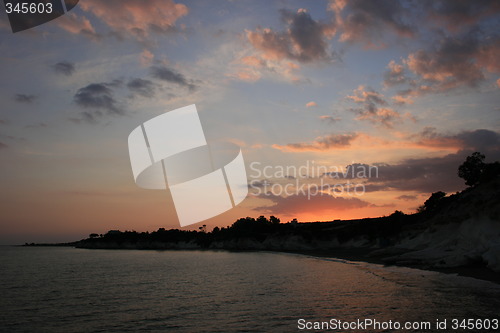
[28, 8]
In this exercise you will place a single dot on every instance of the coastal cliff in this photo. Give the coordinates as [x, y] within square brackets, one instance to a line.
[449, 231]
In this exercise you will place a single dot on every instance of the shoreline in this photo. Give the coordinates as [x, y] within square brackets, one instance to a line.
[476, 271]
[366, 255]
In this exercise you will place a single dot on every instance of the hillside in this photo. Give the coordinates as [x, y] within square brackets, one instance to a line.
[451, 231]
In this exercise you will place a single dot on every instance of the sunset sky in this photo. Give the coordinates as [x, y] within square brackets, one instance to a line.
[411, 87]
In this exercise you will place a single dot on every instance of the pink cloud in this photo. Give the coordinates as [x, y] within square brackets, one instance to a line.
[322, 143]
[75, 24]
[136, 17]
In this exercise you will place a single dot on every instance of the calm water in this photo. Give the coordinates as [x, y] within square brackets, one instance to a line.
[76, 290]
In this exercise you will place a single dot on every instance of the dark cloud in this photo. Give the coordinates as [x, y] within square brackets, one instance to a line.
[438, 173]
[3, 145]
[369, 21]
[481, 139]
[22, 98]
[425, 174]
[300, 203]
[327, 142]
[141, 87]
[64, 68]
[459, 14]
[100, 98]
[354, 171]
[406, 197]
[304, 39]
[453, 62]
[170, 75]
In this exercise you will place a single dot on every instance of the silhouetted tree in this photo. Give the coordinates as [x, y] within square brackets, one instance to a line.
[262, 219]
[93, 235]
[472, 168]
[274, 220]
[490, 172]
[433, 201]
[397, 213]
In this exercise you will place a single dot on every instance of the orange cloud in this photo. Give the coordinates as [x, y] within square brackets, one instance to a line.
[362, 95]
[75, 24]
[327, 142]
[428, 139]
[253, 67]
[302, 203]
[246, 74]
[400, 100]
[252, 61]
[136, 17]
[311, 104]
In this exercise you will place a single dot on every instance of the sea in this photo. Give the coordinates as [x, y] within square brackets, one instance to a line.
[63, 289]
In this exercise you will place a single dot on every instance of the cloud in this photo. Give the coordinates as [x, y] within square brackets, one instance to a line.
[322, 143]
[448, 12]
[369, 96]
[498, 83]
[166, 74]
[330, 119]
[437, 173]
[262, 183]
[135, 17]
[394, 75]
[99, 97]
[374, 107]
[146, 58]
[251, 68]
[449, 66]
[300, 203]
[3, 145]
[369, 21]
[64, 68]
[480, 139]
[311, 104]
[455, 61]
[22, 98]
[38, 125]
[76, 25]
[304, 39]
[406, 197]
[422, 175]
[401, 100]
[145, 88]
